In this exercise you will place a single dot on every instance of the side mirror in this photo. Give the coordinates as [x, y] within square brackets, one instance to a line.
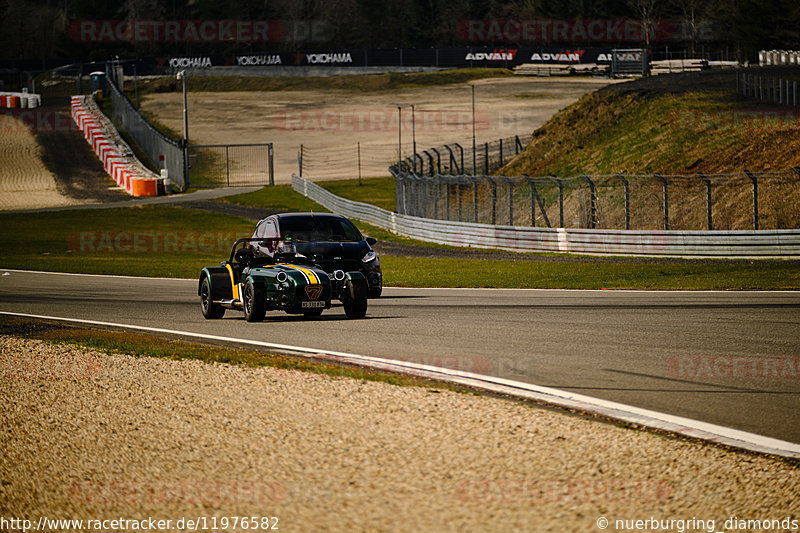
[371, 241]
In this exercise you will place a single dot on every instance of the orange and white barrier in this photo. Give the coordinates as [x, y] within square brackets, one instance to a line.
[117, 157]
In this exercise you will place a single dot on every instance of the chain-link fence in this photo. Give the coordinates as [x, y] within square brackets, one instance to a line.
[229, 165]
[457, 158]
[738, 201]
[160, 151]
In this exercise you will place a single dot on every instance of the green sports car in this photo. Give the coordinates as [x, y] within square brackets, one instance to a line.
[256, 284]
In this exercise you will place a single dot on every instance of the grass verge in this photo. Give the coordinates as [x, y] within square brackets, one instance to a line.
[722, 275]
[165, 241]
[138, 345]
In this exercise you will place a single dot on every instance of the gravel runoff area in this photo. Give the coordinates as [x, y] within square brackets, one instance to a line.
[88, 435]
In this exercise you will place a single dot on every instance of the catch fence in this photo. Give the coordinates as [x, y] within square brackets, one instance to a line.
[737, 201]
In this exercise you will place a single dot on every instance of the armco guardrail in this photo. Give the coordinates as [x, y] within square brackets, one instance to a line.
[742, 244]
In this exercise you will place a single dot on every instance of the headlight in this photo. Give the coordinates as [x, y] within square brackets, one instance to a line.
[371, 256]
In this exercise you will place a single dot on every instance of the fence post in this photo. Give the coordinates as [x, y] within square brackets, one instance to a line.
[593, 204]
[535, 199]
[517, 145]
[438, 161]
[447, 201]
[430, 162]
[453, 162]
[460, 211]
[461, 150]
[660, 178]
[627, 200]
[510, 200]
[486, 158]
[501, 152]
[494, 200]
[754, 179]
[300, 161]
[475, 198]
[227, 167]
[560, 200]
[708, 200]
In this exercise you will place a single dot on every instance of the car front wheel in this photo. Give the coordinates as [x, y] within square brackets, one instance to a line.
[355, 301]
[253, 302]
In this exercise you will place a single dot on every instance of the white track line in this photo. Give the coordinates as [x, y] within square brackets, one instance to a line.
[476, 289]
[644, 417]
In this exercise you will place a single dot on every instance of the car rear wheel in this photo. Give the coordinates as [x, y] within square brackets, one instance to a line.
[355, 301]
[253, 301]
[207, 305]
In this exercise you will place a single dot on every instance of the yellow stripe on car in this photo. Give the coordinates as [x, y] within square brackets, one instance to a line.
[234, 287]
[312, 278]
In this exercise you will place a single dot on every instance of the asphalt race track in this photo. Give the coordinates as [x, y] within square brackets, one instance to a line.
[728, 358]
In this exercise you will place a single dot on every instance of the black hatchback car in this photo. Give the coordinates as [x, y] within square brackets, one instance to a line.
[330, 241]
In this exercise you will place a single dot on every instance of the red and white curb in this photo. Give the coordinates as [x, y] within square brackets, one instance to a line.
[117, 158]
[626, 413]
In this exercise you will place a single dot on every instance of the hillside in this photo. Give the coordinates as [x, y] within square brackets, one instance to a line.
[672, 124]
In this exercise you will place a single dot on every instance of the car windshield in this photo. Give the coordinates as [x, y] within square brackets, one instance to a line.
[315, 229]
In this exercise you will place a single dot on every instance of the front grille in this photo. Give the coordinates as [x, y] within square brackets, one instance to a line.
[348, 265]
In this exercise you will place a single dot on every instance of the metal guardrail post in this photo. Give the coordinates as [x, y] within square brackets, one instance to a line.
[663, 181]
[708, 199]
[271, 165]
[560, 199]
[494, 200]
[435, 199]
[460, 202]
[475, 198]
[592, 203]
[625, 183]
[754, 179]
[510, 200]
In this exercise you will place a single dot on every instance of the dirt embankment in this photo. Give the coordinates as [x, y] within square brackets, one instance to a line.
[46, 162]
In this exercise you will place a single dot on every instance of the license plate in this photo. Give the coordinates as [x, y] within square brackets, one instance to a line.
[313, 305]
